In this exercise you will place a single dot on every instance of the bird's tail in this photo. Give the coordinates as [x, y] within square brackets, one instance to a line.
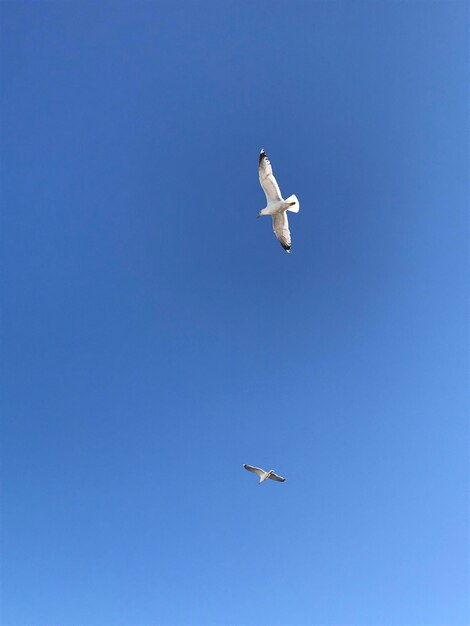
[294, 204]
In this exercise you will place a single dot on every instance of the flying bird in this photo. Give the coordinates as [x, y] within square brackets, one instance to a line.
[276, 206]
[264, 475]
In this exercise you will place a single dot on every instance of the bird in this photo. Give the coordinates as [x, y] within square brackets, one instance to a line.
[264, 475]
[276, 206]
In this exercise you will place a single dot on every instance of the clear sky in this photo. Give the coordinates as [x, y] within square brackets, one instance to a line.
[155, 336]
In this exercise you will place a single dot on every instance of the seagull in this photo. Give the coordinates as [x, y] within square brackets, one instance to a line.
[277, 206]
[264, 475]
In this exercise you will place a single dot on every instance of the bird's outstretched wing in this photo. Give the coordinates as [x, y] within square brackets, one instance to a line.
[256, 470]
[281, 230]
[267, 180]
[279, 479]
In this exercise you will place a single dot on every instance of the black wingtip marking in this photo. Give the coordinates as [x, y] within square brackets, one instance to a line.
[262, 155]
[286, 248]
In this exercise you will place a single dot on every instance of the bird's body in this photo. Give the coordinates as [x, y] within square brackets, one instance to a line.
[264, 475]
[274, 208]
[276, 205]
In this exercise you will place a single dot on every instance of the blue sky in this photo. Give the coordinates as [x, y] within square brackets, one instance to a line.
[155, 336]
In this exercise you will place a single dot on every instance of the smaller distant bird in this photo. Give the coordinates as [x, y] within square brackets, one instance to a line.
[264, 475]
[276, 206]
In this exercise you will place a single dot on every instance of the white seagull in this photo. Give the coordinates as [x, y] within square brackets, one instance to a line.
[277, 206]
[264, 475]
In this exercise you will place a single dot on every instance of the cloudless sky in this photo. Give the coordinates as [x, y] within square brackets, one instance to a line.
[155, 336]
